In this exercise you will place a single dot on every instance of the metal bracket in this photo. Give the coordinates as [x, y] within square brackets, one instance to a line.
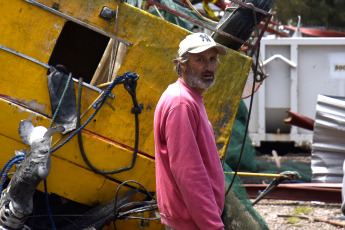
[12, 51]
[279, 56]
[24, 56]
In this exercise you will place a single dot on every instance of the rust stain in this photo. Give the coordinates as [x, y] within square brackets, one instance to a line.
[31, 105]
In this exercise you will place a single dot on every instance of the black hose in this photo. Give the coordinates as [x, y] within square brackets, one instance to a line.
[129, 85]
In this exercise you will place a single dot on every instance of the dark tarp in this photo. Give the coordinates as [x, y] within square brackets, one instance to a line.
[67, 113]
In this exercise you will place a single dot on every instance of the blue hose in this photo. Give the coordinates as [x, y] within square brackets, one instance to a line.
[7, 168]
[48, 205]
[98, 105]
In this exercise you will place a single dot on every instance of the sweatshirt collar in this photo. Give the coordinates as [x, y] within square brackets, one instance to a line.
[190, 89]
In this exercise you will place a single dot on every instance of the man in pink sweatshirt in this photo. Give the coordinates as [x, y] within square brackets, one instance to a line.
[189, 175]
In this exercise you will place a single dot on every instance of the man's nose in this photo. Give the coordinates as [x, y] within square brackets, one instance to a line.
[210, 66]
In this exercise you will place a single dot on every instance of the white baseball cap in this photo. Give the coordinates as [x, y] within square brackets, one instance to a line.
[199, 42]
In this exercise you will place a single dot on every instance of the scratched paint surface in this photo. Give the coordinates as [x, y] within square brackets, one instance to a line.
[34, 32]
[150, 56]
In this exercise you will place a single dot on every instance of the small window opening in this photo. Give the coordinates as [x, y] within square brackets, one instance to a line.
[79, 49]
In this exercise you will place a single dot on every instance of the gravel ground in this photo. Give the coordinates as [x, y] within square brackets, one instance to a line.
[270, 209]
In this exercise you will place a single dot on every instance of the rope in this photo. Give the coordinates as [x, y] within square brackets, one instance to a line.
[98, 105]
[19, 158]
[208, 9]
[125, 78]
[159, 13]
[48, 205]
[4, 173]
[61, 99]
[7, 168]
[51, 124]
[88, 109]
[197, 12]
[113, 51]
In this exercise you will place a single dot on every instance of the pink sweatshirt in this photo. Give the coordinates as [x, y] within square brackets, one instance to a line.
[189, 175]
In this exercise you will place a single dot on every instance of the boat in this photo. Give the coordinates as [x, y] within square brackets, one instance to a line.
[103, 164]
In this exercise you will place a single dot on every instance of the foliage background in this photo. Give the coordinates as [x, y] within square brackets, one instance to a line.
[325, 14]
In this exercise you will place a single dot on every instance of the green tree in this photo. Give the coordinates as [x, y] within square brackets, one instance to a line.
[329, 14]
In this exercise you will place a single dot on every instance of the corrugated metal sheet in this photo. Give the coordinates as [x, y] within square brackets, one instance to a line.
[328, 148]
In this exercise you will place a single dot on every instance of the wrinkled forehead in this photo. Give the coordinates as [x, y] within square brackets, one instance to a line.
[208, 52]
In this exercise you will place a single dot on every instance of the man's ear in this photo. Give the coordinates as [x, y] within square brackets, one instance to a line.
[183, 66]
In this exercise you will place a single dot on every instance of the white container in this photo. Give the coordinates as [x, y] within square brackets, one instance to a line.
[299, 69]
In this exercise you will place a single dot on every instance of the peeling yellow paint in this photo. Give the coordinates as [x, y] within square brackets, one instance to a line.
[34, 32]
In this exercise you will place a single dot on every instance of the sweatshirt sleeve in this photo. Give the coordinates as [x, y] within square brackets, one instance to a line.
[188, 168]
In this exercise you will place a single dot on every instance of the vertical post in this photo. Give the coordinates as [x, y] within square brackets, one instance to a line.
[294, 82]
[262, 100]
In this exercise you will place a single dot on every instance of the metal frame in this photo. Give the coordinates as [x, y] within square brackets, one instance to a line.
[48, 66]
[257, 129]
[268, 16]
[324, 192]
[204, 25]
[70, 18]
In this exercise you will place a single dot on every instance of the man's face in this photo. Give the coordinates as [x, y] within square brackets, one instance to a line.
[200, 69]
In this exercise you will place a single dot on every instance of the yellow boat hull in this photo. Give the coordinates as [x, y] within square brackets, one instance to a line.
[109, 137]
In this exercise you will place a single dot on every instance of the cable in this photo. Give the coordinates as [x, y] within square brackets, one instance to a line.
[136, 110]
[48, 205]
[98, 105]
[7, 168]
[126, 182]
[249, 112]
[142, 209]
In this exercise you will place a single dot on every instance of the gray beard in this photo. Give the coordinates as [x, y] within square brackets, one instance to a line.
[197, 82]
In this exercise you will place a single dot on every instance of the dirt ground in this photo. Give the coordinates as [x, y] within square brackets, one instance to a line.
[271, 210]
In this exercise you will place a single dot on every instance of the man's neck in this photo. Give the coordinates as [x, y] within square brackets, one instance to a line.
[198, 91]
